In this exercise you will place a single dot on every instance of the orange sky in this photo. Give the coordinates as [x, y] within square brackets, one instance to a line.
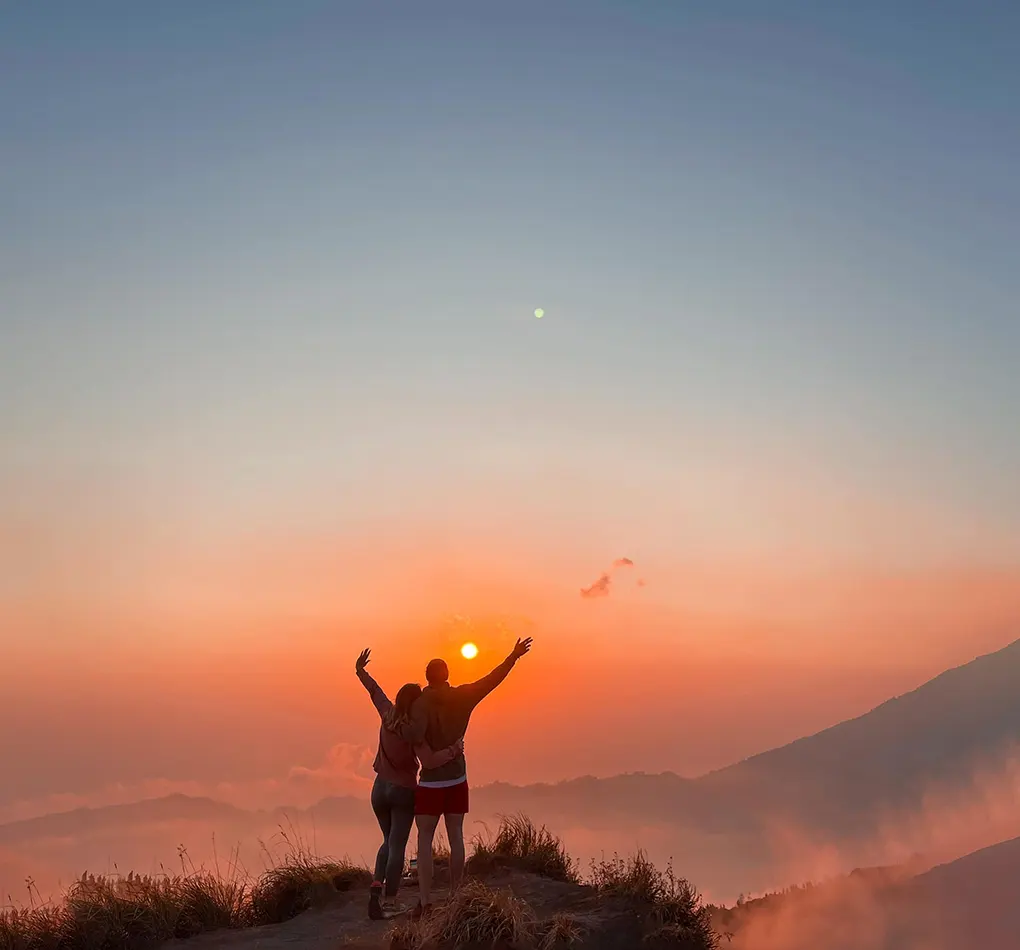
[228, 668]
[272, 387]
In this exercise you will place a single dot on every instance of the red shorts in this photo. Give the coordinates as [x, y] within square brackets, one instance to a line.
[450, 800]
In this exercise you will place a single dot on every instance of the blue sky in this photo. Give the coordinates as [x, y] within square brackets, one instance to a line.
[276, 263]
[271, 386]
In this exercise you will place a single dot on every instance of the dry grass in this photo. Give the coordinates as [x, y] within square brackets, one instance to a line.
[141, 912]
[520, 845]
[560, 931]
[478, 916]
[286, 891]
[676, 915]
[103, 913]
[475, 915]
[440, 848]
[300, 881]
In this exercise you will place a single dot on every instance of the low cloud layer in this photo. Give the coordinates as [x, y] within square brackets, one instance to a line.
[850, 914]
[346, 770]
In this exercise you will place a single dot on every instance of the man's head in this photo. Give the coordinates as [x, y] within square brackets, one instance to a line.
[437, 672]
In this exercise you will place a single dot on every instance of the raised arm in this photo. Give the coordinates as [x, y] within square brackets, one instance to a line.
[481, 688]
[379, 699]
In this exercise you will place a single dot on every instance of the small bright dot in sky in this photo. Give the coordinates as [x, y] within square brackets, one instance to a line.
[539, 313]
[469, 651]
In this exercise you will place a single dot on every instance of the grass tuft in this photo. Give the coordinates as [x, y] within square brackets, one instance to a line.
[561, 931]
[103, 913]
[519, 844]
[143, 912]
[475, 915]
[284, 892]
[300, 882]
[676, 915]
[140, 912]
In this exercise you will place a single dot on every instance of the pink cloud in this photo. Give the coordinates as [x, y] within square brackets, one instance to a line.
[601, 587]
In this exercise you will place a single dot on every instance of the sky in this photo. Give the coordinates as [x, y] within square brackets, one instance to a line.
[272, 388]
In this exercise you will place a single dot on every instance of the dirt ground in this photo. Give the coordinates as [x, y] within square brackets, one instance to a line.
[341, 920]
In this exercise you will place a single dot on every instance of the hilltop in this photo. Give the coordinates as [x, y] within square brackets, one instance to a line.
[522, 890]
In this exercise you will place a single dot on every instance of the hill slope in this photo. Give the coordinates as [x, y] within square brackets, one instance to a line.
[967, 904]
[976, 898]
[835, 781]
[935, 735]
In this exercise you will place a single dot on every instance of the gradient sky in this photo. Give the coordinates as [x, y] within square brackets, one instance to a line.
[272, 388]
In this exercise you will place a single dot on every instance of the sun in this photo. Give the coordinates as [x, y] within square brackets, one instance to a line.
[469, 651]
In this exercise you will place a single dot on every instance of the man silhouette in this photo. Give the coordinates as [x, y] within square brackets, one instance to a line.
[441, 714]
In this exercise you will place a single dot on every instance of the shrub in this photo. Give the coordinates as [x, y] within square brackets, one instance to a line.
[676, 915]
[475, 915]
[142, 912]
[127, 913]
[519, 844]
[286, 891]
[562, 930]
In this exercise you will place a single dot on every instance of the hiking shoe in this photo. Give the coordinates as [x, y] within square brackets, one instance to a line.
[391, 906]
[375, 911]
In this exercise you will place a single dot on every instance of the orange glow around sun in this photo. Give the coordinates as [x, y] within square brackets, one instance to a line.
[469, 651]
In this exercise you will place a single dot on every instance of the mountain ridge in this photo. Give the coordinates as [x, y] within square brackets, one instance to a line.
[835, 779]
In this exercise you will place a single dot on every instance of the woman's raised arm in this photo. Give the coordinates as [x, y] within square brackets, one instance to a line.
[379, 699]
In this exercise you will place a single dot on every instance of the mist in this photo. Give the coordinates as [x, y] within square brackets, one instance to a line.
[154, 837]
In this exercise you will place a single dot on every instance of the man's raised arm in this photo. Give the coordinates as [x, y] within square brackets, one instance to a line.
[481, 688]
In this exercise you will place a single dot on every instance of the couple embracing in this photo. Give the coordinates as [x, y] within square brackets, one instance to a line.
[424, 726]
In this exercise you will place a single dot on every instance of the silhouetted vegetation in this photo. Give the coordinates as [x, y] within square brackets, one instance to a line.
[480, 916]
[475, 915]
[676, 915]
[138, 912]
[142, 912]
[519, 844]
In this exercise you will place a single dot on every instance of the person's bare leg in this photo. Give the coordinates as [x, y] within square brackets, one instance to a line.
[427, 825]
[455, 832]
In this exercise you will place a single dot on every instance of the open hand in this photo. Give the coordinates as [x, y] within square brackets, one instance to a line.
[521, 647]
[362, 661]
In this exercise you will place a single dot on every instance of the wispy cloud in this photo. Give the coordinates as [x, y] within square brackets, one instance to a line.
[601, 587]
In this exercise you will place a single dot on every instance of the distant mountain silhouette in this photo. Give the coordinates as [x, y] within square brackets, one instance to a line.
[90, 820]
[967, 904]
[177, 808]
[836, 780]
[936, 735]
[339, 810]
[975, 898]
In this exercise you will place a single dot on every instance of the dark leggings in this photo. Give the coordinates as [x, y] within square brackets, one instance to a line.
[394, 808]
